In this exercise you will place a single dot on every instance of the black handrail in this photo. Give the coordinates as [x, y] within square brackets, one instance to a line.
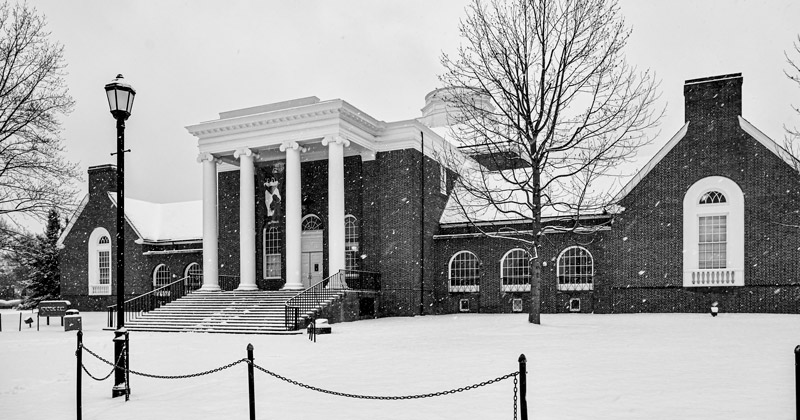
[153, 299]
[321, 293]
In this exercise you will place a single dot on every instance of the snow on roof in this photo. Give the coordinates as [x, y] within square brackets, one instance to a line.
[164, 222]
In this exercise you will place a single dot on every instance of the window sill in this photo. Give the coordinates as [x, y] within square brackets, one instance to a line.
[465, 289]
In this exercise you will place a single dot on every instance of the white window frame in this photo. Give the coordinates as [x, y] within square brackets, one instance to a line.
[352, 232]
[156, 272]
[267, 247]
[463, 288]
[190, 275]
[96, 288]
[579, 286]
[512, 283]
[733, 210]
[305, 221]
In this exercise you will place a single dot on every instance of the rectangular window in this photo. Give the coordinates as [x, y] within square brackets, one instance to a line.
[442, 179]
[713, 241]
[272, 265]
[104, 263]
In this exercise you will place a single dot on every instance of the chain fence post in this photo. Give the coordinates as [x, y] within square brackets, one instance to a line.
[127, 365]
[79, 356]
[523, 386]
[797, 380]
[250, 383]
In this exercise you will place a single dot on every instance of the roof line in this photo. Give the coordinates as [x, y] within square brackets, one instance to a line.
[651, 164]
[71, 223]
[113, 198]
[770, 144]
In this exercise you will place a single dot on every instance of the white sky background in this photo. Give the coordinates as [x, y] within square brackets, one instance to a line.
[190, 60]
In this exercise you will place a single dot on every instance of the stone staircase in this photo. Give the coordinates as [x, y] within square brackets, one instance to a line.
[237, 312]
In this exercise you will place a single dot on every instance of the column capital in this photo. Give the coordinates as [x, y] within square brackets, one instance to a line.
[206, 157]
[291, 144]
[335, 140]
[245, 151]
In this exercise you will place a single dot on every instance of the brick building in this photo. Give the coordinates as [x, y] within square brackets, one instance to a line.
[297, 190]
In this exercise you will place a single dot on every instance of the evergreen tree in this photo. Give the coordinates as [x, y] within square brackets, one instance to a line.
[40, 256]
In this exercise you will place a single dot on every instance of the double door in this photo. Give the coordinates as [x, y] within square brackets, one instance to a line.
[311, 261]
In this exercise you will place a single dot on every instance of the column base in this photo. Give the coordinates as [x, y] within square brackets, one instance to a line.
[293, 287]
[210, 288]
[246, 288]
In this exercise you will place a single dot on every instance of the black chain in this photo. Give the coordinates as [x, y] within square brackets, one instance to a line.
[191, 375]
[515, 398]
[109, 373]
[382, 397]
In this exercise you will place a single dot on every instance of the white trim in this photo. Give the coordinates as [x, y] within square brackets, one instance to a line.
[575, 286]
[733, 209]
[651, 164]
[173, 251]
[525, 287]
[769, 143]
[93, 267]
[469, 288]
[510, 235]
[71, 223]
[113, 197]
[155, 272]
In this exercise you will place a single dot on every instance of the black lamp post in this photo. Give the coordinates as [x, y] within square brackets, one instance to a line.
[120, 101]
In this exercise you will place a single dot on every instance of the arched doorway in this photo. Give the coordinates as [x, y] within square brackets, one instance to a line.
[311, 247]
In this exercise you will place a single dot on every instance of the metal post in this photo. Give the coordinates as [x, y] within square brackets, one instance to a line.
[251, 385]
[20, 321]
[119, 343]
[797, 379]
[523, 403]
[79, 355]
[127, 364]
[1, 322]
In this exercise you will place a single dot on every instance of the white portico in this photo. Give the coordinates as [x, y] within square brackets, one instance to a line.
[295, 131]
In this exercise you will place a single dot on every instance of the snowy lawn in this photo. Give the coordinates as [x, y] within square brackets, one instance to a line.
[647, 366]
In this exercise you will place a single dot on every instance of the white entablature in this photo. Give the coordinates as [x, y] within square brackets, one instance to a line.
[308, 121]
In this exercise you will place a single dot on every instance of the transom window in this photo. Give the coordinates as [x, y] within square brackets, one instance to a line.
[464, 272]
[272, 252]
[712, 197]
[575, 269]
[515, 271]
[351, 242]
[312, 222]
[712, 250]
[161, 276]
[194, 273]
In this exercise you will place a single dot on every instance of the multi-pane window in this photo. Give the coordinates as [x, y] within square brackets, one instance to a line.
[713, 240]
[713, 197]
[575, 269]
[161, 276]
[351, 236]
[194, 273]
[464, 272]
[515, 271]
[312, 222]
[272, 252]
[104, 260]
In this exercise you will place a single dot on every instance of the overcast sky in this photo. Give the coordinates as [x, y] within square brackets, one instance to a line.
[190, 60]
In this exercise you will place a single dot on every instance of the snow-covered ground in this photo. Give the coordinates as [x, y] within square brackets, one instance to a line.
[647, 366]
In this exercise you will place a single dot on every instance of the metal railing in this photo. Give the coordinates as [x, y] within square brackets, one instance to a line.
[153, 299]
[325, 291]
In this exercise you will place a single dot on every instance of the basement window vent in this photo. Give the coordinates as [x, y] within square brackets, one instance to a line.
[575, 305]
[463, 305]
[516, 305]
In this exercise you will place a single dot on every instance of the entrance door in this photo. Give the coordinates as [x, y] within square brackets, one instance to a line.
[312, 268]
[311, 246]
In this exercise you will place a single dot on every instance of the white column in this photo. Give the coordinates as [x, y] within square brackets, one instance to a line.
[336, 251]
[210, 229]
[247, 220]
[294, 214]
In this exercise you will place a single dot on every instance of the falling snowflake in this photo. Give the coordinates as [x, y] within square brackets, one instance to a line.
[641, 272]
[624, 239]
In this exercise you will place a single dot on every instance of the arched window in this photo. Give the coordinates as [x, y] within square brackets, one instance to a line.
[272, 252]
[312, 222]
[99, 262]
[575, 269]
[194, 273]
[713, 233]
[351, 239]
[515, 271]
[464, 272]
[161, 276]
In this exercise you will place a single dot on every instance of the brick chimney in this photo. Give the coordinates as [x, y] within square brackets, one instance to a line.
[713, 100]
[102, 179]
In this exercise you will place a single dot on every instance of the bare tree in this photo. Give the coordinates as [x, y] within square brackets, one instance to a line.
[792, 140]
[34, 176]
[541, 92]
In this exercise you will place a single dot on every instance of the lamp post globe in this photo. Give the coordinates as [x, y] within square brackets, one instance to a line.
[120, 102]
